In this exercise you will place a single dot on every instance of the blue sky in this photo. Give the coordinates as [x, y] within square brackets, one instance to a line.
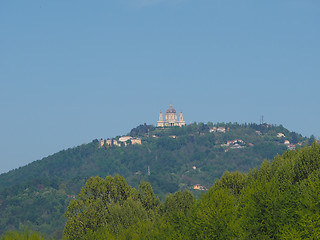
[72, 70]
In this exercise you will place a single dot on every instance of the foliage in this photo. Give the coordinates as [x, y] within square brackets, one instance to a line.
[37, 195]
[108, 203]
[26, 235]
[278, 200]
[141, 130]
[214, 217]
[257, 205]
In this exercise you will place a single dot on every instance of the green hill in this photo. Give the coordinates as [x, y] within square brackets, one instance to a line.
[171, 159]
[280, 200]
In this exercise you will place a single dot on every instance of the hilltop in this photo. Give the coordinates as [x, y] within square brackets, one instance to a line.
[171, 159]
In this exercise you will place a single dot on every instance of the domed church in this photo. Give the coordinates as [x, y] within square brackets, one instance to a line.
[171, 119]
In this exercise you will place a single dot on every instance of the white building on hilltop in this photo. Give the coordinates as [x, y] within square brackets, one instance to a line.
[171, 119]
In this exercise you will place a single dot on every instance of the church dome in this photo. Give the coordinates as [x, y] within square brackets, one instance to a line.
[171, 109]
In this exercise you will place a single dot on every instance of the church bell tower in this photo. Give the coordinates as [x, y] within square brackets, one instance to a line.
[160, 122]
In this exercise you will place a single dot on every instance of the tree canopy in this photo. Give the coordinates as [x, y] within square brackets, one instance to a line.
[279, 200]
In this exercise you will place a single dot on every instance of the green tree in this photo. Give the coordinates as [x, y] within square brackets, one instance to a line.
[97, 205]
[178, 209]
[266, 206]
[234, 181]
[109, 206]
[310, 211]
[312, 139]
[26, 235]
[179, 201]
[147, 197]
[215, 216]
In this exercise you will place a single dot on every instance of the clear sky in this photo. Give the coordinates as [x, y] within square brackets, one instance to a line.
[73, 70]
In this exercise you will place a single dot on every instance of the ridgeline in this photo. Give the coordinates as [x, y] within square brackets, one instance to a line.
[191, 158]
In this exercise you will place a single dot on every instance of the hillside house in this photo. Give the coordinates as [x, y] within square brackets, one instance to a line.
[214, 129]
[136, 141]
[286, 142]
[199, 187]
[124, 138]
[237, 143]
[109, 142]
[291, 147]
[236, 146]
[116, 143]
[221, 129]
[101, 143]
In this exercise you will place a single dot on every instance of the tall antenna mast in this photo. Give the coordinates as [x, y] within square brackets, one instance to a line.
[261, 120]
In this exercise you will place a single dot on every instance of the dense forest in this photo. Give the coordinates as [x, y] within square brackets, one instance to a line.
[278, 200]
[36, 196]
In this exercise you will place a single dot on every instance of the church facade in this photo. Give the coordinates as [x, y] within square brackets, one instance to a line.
[171, 119]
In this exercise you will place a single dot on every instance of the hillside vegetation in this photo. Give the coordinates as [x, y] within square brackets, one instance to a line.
[37, 195]
[277, 201]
